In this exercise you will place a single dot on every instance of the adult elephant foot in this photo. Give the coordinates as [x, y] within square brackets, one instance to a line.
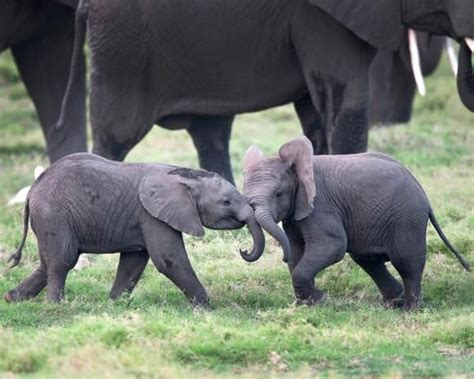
[395, 303]
[211, 137]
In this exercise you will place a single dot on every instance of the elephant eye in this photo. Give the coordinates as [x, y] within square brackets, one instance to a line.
[227, 203]
[279, 194]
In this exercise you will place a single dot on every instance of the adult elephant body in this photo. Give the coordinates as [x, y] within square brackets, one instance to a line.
[252, 56]
[177, 63]
[40, 35]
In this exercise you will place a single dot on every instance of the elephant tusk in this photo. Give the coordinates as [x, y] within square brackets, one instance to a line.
[415, 62]
[452, 56]
[470, 43]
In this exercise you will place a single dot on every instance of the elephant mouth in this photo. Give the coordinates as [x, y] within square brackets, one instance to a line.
[227, 223]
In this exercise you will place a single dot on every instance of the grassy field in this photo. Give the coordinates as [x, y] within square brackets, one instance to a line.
[254, 330]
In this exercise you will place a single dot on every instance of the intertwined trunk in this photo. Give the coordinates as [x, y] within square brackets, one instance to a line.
[267, 222]
[258, 239]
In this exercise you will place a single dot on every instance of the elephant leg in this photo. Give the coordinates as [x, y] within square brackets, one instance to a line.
[130, 268]
[316, 258]
[348, 128]
[166, 249]
[211, 137]
[408, 258]
[337, 81]
[391, 288]
[411, 272]
[312, 124]
[61, 255]
[44, 64]
[121, 111]
[296, 243]
[30, 286]
[325, 244]
[114, 139]
[344, 106]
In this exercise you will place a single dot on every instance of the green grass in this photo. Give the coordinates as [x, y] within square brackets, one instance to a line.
[254, 329]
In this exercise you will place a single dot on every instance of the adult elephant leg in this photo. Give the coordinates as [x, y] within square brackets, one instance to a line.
[130, 269]
[44, 64]
[211, 137]
[348, 128]
[312, 124]
[335, 64]
[120, 115]
[391, 288]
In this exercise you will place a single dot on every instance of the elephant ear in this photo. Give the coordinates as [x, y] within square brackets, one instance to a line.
[252, 156]
[377, 22]
[168, 200]
[298, 153]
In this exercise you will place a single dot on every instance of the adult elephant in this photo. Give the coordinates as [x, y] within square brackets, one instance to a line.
[177, 62]
[40, 35]
[392, 81]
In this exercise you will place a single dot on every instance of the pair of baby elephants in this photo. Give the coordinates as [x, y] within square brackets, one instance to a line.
[365, 204]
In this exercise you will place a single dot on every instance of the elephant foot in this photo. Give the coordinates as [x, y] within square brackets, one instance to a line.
[396, 302]
[317, 297]
[8, 297]
[13, 296]
[201, 305]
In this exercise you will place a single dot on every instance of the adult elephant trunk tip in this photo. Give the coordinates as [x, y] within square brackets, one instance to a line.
[465, 80]
[267, 222]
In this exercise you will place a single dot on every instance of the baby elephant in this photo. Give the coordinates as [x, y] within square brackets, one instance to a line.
[86, 204]
[368, 205]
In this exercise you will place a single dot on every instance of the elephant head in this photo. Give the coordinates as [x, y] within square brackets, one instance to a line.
[188, 199]
[280, 187]
[381, 24]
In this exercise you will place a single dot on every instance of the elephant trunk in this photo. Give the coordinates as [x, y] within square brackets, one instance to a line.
[465, 80]
[258, 240]
[268, 223]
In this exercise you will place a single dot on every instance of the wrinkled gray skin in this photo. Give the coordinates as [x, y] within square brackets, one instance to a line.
[87, 204]
[40, 36]
[365, 204]
[243, 56]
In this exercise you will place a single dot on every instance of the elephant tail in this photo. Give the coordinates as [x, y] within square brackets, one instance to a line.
[16, 258]
[441, 234]
[76, 62]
